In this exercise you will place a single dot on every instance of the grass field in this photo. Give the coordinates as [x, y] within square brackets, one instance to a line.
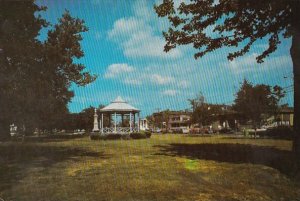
[165, 167]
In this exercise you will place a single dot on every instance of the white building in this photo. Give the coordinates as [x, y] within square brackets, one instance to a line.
[144, 124]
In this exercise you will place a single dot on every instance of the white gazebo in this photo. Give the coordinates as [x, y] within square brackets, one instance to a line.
[119, 109]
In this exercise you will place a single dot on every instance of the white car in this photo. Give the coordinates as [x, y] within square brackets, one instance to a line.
[185, 130]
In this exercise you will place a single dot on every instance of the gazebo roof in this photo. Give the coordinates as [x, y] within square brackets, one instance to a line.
[119, 105]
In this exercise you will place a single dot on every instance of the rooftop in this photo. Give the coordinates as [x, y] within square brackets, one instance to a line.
[119, 105]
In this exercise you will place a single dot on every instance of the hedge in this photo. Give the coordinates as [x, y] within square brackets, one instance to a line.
[281, 132]
[117, 136]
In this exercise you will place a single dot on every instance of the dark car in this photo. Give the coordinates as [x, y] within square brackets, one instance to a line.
[226, 131]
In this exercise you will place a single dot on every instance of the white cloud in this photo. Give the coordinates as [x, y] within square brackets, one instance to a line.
[248, 63]
[125, 27]
[183, 84]
[143, 10]
[135, 76]
[170, 92]
[136, 34]
[116, 69]
[98, 35]
[161, 80]
[132, 81]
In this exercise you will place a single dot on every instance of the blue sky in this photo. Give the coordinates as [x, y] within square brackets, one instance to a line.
[124, 47]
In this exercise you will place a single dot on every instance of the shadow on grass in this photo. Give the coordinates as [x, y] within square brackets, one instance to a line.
[48, 138]
[284, 161]
[16, 159]
[257, 138]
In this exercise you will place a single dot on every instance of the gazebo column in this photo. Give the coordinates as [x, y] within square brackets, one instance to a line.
[138, 121]
[102, 123]
[122, 119]
[134, 120]
[115, 122]
[130, 122]
[109, 120]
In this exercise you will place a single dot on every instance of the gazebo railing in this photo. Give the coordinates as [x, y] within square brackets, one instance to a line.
[123, 129]
[108, 130]
[119, 130]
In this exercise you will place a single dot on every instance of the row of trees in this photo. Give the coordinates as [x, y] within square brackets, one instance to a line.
[35, 75]
[251, 102]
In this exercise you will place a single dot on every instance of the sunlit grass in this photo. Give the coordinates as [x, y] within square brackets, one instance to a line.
[165, 167]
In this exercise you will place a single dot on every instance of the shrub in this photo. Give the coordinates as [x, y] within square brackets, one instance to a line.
[138, 135]
[121, 136]
[148, 134]
[125, 137]
[64, 136]
[282, 132]
[105, 137]
[113, 136]
[97, 137]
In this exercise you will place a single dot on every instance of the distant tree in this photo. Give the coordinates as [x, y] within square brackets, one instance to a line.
[203, 113]
[254, 100]
[237, 23]
[198, 106]
[197, 101]
[157, 120]
[151, 121]
[86, 119]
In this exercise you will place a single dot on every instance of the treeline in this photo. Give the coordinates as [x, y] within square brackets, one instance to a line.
[73, 121]
[251, 103]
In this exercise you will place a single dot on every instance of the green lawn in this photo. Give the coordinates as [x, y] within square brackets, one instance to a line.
[165, 167]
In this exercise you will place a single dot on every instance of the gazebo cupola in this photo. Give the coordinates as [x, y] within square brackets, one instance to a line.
[119, 110]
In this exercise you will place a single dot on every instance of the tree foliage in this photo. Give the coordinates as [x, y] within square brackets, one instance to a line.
[36, 76]
[234, 23]
[254, 100]
[20, 53]
[197, 101]
[63, 47]
[203, 113]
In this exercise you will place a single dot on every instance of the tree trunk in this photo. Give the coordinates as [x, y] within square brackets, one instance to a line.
[4, 131]
[295, 54]
[29, 129]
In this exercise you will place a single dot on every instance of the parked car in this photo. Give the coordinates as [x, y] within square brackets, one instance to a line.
[184, 130]
[209, 131]
[156, 130]
[195, 130]
[226, 131]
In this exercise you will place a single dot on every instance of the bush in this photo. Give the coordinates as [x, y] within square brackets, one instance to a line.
[105, 137]
[125, 137]
[64, 136]
[148, 134]
[121, 136]
[138, 135]
[97, 137]
[282, 132]
[113, 136]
